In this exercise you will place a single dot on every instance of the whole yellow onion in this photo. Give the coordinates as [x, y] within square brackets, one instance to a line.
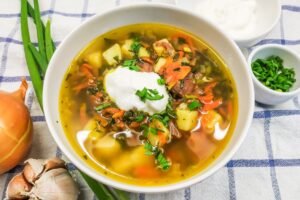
[15, 128]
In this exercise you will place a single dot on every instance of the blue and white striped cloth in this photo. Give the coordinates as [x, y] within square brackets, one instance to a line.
[267, 166]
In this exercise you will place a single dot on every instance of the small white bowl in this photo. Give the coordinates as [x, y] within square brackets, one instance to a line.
[267, 13]
[264, 94]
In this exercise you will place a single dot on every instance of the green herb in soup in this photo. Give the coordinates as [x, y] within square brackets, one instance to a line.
[148, 104]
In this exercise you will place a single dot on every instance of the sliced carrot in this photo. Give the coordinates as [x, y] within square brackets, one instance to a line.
[118, 114]
[77, 89]
[188, 40]
[87, 70]
[145, 171]
[102, 120]
[110, 110]
[212, 105]
[174, 73]
[162, 138]
[206, 99]
[134, 125]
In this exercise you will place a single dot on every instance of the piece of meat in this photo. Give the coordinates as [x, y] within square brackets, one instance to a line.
[174, 131]
[201, 145]
[146, 67]
[184, 87]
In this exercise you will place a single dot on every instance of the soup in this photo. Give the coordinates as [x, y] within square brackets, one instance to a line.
[148, 104]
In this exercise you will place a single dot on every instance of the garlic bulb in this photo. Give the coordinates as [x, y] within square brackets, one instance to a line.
[43, 180]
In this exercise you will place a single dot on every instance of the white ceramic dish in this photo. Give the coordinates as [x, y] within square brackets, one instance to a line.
[264, 94]
[268, 13]
[141, 13]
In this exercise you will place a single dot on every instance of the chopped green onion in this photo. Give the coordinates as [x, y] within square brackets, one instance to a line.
[131, 64]
[102, 106]
[273, 74]
[161, 81]
[161, 160]
[139, 118]
[135, 46]
[163, 163]
[152, 130]
[148, 94]
[194, 105]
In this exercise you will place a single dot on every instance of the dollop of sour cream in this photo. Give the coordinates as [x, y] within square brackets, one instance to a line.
[237, 17]
[122, 83]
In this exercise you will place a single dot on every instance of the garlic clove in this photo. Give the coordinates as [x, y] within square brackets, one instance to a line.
[56, 184]
[33, 169]
[54, 163]
[18, 187]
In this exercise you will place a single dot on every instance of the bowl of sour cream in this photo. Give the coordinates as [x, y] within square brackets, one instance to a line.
[246, 21]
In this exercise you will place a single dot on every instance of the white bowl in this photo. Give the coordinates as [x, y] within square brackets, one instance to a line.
[264, 94]
[141, 13]
[268, 13]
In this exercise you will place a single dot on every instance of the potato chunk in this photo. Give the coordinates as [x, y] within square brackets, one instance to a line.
[163, 48]
[122, 164]
[95, 59]
[161, 137]
[186, 119]
[126, 48]
[113, 54]
[143, 53]
[159, 64]
[107, 147]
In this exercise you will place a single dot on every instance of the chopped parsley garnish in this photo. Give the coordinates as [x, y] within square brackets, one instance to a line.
[161, 81]
[273, 74]
[160, 158]
[148, 94]
[149, 149]
[102, 106]
[163, 163]
[135, 46]
[131, 64]
[139, 118]
[152, 130]
[194, 105]
[145, 129]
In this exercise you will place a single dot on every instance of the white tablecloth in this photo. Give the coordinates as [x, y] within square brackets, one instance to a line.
[267, 166]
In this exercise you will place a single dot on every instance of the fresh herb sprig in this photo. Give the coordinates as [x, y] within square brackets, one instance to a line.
[161, 160]
[149, 94]
[195, 104]
[131, 64]
[273, 74]
[135, 46]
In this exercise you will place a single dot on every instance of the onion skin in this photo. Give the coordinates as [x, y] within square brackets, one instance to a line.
[15, 128]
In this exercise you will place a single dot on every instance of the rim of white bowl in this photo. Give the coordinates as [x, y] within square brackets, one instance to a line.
[161, 188]
[268, 30]
[261, 85]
